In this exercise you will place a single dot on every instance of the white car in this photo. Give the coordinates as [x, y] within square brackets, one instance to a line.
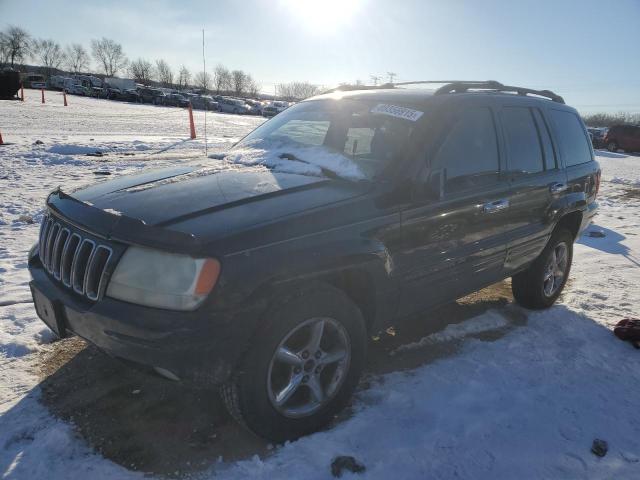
[75, 88]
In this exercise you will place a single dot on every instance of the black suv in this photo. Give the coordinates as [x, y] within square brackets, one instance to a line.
[335, 219]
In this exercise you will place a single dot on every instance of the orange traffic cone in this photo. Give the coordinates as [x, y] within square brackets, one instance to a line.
[191, 124]
[42, 91]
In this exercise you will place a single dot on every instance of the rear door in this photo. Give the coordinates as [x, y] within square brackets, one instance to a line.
[535, 178]
[457, 243]
[576, 152]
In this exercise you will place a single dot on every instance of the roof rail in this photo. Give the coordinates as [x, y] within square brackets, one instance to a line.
[492, 85]
[348, 88]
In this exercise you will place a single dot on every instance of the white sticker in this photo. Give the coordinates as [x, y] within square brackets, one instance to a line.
[395, 111]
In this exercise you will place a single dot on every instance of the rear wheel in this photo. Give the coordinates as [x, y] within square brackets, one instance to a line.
[303, 366]
[613, 146]
[541, 284]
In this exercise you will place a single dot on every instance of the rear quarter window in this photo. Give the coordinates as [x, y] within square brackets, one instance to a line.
[572, 139]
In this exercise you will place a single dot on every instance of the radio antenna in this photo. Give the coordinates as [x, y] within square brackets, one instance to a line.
[206, 106]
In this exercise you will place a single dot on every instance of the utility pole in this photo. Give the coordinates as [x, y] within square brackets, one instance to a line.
[375, 79]
[391, 76]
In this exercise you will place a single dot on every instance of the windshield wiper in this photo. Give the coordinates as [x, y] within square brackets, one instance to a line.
[327, 172]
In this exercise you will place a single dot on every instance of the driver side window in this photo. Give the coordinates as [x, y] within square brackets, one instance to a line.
[469, 158]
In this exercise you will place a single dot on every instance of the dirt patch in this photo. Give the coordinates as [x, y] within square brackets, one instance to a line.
[144, 422]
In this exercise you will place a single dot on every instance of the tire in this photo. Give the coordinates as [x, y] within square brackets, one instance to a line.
[613, 146]
[258, 394]
[533, 288]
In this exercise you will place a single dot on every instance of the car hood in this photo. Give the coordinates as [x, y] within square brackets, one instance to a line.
[177, 197]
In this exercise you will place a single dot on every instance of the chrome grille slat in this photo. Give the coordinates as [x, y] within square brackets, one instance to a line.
[80, 263]
[74, 259]
[67, 257]
[61, 240]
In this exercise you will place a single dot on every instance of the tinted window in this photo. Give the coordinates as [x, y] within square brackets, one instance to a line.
[545, 140]
[523, 144]
[469, 154]
[574, 146]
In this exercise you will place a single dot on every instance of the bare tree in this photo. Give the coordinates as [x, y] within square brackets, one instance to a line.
[252, 87]
[203, 80]
[164, 73]
[184, 77]
[77, 58]
[50, 54]
[141, 70]
[221, 79]
[15, 45]
[375, 79]
[391, 76]
[297, 90]
[109, 55]
[238, 82]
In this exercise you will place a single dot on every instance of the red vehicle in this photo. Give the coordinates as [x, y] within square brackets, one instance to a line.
[625, 137]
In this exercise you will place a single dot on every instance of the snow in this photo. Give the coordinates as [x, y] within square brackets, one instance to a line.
[312, 159]
[513, 399]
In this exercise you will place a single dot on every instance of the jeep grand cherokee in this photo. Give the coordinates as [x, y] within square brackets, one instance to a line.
[266, 270]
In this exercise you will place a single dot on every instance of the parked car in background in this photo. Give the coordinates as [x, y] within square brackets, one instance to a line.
[203, 102]
[73, 87]
[274, 108]
[175, 100]
[597, 136]
[130, 95]
[96, 92]
[151, 95]
[233, 105]
[623, 137]
[255, 107]
[56, 82]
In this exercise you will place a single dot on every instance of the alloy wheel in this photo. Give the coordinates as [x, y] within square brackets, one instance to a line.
[556, 269]
[308, 367]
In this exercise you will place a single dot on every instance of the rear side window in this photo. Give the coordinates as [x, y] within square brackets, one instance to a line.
[545, 140]
[469, 155]
[574, 146]
[523, 144]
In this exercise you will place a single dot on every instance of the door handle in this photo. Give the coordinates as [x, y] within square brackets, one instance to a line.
[496, 206]
[558, 187]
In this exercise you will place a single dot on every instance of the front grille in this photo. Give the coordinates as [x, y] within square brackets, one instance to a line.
[74, 259]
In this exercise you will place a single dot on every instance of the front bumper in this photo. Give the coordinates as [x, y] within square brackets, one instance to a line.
[200, 348]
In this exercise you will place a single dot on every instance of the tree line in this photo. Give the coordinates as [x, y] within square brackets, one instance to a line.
[17, 46]
[611, 119]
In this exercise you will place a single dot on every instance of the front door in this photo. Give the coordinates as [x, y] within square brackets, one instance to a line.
[456, 243]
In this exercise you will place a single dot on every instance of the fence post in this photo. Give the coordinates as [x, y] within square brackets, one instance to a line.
[42, 91]
[192, 127]
[64, 95]
[21, 92]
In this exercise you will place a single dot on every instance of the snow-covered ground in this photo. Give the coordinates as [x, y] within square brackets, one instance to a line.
[526, 403]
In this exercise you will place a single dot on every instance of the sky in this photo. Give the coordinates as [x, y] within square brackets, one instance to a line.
[584, 50]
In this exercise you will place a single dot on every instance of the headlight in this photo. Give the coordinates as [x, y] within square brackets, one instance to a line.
[164, 280]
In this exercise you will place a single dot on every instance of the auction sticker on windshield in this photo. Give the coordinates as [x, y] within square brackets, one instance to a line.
[396, 111]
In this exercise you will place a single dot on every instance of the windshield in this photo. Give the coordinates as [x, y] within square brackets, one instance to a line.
[353, 138]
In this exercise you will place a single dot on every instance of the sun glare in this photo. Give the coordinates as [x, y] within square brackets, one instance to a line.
[322, 16]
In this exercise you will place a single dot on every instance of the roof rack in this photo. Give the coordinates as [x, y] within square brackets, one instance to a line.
[492, 85]
[458, 86]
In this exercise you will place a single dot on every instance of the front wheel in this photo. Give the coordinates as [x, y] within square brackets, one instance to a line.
[303, 367]
[540, 285]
